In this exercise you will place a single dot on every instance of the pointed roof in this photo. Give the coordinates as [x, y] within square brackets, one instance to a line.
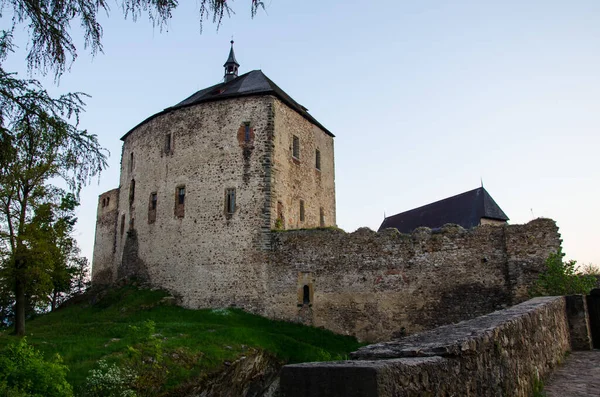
[231, 58]
[465, 209]
[250, 84]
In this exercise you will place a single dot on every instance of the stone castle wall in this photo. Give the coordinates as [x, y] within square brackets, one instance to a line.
[299, 178]
[105, 243]
[506, 353]
[374, 285]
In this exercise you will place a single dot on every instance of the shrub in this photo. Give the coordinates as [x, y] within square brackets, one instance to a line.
[561, 278]
[25, 373]
[109, 381]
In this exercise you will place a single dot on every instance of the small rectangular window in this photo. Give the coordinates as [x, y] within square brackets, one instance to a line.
[296, 147]
[180, 201]
[301, 210]
[168, 141]
[246, 132]
[318, 159]
[230, 201]
[132, 192]
[131, 162]
[152, 207]
[122, 224]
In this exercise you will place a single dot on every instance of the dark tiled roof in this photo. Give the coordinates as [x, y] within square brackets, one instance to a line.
[465, 209]
[249, 84]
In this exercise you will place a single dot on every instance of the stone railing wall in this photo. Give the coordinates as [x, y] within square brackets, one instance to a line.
[503, 353]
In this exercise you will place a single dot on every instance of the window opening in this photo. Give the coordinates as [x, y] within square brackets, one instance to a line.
[131, 162]
[131, 191]
[306, 295]
[247, 132]
[122, 224]
[107, 201]
[318, 159]
[230, 200]
[168, 141]
[103, 202]
[181, 195]
[131, 223]
[301, 210]
[153, 201]
[296, 147]
[180, 201]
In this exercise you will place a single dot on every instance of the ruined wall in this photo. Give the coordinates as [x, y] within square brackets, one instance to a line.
[374, 285]
[501, 354]
[296, 179]
[198, 249]
[105, 243]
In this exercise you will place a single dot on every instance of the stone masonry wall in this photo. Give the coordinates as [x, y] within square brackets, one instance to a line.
[504, 353]
[296, 179]
[105, 243]
[376, 285]
[198, 249]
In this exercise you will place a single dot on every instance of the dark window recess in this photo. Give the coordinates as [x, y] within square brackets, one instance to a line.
[180, 201]
[246, 132]
[230, 201]
[306, 295]
[131, 191]
[103, 203]
[131, 223]
[168, 143]
[107, 201]
[122, 224]
[152, 208]
[131, 162]
[318, 159]
[321, 217]
[301, 210]
[296, 147]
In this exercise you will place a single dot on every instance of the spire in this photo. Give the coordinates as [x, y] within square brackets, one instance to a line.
[231, 66]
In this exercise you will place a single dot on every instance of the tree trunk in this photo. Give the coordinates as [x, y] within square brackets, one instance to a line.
[20, 304]
[54, 296]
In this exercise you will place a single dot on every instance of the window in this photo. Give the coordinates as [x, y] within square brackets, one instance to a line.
[321, 217]
[168, 143]
[301, 210]
[246, 132]
[131, 223]
[132, 192]
[152, 207]
[230, 200]
[131, 162]
[318, 159]
[122, 224]
[103, 202]
[107, 201]
[180, 201]
[296, 147]
[306, 295]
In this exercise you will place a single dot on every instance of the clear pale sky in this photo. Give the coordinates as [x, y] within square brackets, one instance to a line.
[425, 98]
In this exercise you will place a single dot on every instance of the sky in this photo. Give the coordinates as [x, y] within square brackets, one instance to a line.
[426, 98]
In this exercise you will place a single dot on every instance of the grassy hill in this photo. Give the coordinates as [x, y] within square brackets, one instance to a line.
[194, 342]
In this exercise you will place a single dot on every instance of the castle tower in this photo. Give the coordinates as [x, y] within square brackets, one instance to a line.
[231, 66]
[203, 184]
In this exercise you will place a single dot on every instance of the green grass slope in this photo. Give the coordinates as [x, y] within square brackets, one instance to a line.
[196, 342]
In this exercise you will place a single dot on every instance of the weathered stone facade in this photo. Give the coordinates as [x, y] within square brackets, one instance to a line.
[373, 285]
[196, 246]
[506, 353]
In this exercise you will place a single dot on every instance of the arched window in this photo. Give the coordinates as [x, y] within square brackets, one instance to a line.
[306, 295]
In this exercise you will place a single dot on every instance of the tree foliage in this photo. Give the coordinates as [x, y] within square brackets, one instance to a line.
[562, 278]
[49, 23]
[40, 144]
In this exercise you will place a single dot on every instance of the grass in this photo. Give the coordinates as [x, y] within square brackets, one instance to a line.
[196, 342]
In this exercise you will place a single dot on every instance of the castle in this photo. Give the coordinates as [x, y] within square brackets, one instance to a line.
[215, 193]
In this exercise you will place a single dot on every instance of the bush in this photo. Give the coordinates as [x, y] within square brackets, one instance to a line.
[25, 373]
[561, 278]
[109, 381]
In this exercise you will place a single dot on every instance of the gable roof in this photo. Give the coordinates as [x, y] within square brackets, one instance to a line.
[249, 84]
[465, 209]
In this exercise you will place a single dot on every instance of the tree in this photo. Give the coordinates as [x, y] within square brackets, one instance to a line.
[561, 278]
[52, 47]
[40, 143]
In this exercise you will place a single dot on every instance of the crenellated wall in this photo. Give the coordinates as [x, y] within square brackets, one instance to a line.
[377, 285]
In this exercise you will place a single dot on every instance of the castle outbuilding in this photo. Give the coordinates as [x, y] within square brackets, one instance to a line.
[205, 181]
